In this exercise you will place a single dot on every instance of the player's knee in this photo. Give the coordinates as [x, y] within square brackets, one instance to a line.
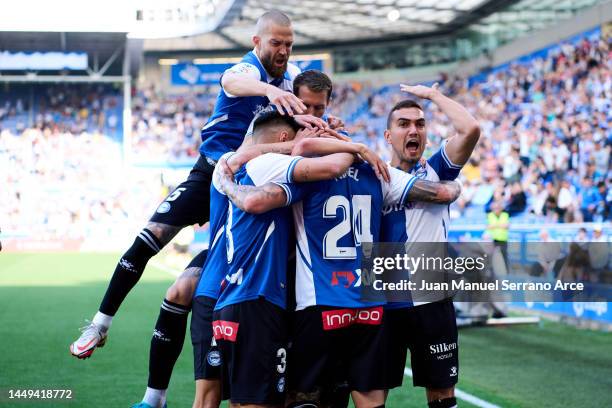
[208, 394]
[163, 232]
[182, 289]
[180, 293]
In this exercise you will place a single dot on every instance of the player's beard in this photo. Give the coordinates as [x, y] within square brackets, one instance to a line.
[272, 69]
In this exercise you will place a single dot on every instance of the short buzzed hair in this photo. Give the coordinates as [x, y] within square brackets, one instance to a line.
[275, 17]
[314, 80]
[405, 104]
[273, 118]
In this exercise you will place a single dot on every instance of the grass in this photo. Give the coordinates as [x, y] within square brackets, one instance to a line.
[44, 298]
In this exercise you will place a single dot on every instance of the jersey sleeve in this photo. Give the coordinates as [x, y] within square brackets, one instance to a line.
[397, 189]
[272, 167]
[295, 191]
[293, 71]
[443, 166]
[215, 179]
[243, 68]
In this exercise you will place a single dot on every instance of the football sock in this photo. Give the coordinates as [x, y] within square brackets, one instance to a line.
[443, 403]
[102, 320]
[166, 343]
[155, 398]
[129, 270]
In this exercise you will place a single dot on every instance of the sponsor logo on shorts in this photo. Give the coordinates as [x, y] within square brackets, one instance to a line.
[163, 207]
[225, 330]
[339, 318]
[442, 351]
[453, 372]
[442, 348]
[214, 358]
[281, 385]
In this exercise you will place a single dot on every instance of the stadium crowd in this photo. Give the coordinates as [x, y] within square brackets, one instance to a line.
[544, 152]
[61, 107]
[67, 185]
[546, 134]
[167, 127]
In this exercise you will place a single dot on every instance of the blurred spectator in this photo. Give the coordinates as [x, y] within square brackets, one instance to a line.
[590, 199]
[518, 200]
[599, 254]
[549, 254]
[498, 223]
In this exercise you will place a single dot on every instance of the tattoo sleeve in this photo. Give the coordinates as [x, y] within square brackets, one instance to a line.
[254, 199]
[442, 192]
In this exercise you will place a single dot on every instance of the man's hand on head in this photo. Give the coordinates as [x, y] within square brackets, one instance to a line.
[335, 122]
[285, 102]
[307, 132]
[309, 121]
[378, 165]
[333, 134]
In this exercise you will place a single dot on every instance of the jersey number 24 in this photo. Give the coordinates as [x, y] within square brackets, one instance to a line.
[355, 218]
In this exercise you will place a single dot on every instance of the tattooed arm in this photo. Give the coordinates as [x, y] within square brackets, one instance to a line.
[442, 192]
[257, 200]
[248, 151]
[322, 168]
[250, 199]
[324, 146]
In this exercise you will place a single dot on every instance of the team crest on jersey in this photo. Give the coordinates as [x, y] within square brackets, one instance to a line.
[453, 372]
[163, 208]
[421, 170]
[281, 385]
[214, 358]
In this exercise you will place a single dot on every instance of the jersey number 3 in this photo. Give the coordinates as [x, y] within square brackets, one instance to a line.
[357, 212]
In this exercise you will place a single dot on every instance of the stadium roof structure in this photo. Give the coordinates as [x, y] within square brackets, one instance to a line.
[329, 23]
[107, 54]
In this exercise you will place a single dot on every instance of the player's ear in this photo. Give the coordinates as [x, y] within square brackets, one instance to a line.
[256, 41]
[387, 135]
[283, 136]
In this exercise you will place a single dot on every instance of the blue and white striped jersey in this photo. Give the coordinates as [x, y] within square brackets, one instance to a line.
[420, 221]
[215, 267]
[257, 245]
[228, 124]
[332, 220]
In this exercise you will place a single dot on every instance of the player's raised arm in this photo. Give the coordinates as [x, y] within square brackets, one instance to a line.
[460, 146]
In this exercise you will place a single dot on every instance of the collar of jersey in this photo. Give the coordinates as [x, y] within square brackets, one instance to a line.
[412, 169]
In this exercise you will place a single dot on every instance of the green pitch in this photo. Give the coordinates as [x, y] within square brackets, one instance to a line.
[45, 298]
